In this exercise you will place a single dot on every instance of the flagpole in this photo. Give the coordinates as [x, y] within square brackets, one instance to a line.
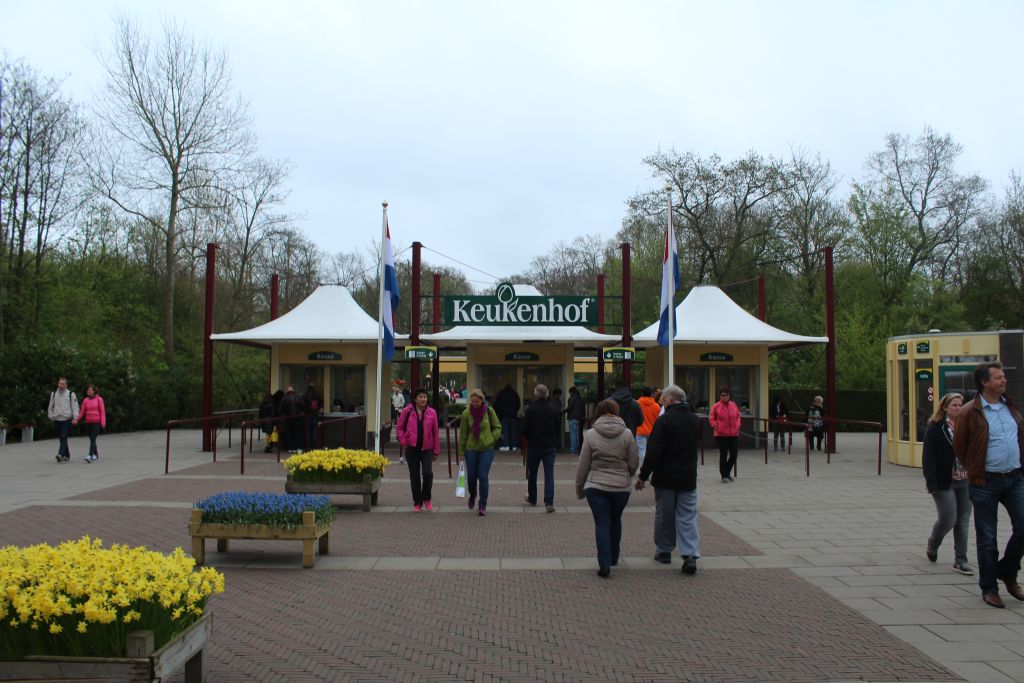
[380, 324]
[672, 289]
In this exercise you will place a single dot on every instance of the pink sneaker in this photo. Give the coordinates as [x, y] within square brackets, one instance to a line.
[427, 505]
[483, 510]
[416, 508]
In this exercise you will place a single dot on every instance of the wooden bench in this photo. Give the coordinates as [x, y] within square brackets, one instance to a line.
[367, 488]
[307, 532]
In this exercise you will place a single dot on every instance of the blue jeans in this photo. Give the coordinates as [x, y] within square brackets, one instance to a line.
[641, 447]
[510, 432]
[675, 521]
[534, 458]
[953, 507]
[607, 507]
[63, 428]
[478, 466]
[1008, 490]
[574, 436]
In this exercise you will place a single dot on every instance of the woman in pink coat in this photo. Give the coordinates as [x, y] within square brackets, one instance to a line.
[725, 419]
[95, 415]
[418, 434]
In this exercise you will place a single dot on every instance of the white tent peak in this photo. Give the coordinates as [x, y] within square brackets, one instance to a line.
[329, 314]
[708, 315]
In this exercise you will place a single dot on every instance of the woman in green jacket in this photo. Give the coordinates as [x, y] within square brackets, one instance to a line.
[479, 431]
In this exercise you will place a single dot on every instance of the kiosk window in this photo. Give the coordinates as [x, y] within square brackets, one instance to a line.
[740, 380]
[301, 376]
[903, 397]
[694, 381]
[348, 388]
[923, 398]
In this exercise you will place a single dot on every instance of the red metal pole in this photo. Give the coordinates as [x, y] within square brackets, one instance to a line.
[830, 349]
[437, 328]
[627, 338]
[414, 315]
[760, 298]
[600, 328]
[167, 453]
[275, 285]
[211, 284]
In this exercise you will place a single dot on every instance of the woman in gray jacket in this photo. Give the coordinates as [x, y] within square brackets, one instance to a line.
[608, 460]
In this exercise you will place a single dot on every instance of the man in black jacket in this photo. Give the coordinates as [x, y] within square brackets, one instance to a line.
[541, 422]
[672, 459]
[506, 407]
[629, 410]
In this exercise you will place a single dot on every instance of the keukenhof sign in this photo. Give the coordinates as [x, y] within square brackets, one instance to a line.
[505, 308]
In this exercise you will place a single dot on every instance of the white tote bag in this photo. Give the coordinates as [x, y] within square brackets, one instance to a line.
[460, 481]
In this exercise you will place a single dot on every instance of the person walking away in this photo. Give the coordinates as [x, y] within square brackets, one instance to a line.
[651, 410]
[946, 480]
[62, 409]
[397, 403]
[95, 414]
[604, 474]
[266, 413]
[671, 466]
[418, 433]
[816, 423]
[725, 420]
[629, 409]
[779, 414]
[556, 401]
[540, 427]
[574, 412]
[479, 433]
[987, 440]
[312, 402]
[506, 406]
[292, 408]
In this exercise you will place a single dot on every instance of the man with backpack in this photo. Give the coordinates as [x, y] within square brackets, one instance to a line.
[61, 409]
[629, 410]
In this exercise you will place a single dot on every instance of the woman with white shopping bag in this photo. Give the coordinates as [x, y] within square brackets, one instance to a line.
[479, 431]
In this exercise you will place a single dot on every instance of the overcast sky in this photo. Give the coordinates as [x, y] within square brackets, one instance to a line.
[496, 129]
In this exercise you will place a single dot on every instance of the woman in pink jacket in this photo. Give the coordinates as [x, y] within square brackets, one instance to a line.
[725, 419]
[95, 415]
[418, 434]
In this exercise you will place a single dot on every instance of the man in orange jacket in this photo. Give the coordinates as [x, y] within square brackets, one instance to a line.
[651, 410]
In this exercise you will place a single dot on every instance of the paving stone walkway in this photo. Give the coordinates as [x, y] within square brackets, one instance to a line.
[819, 578]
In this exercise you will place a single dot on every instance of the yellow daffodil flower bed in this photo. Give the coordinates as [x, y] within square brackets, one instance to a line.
[81, 599]
[335, 465]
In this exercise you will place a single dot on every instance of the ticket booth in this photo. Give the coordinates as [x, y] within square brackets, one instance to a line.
[921, 369]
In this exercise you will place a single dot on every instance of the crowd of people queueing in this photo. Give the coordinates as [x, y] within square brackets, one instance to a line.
[301, 412]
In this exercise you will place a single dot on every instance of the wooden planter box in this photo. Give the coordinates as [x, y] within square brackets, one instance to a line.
[141, 666]
[307, 533]
[367, 488]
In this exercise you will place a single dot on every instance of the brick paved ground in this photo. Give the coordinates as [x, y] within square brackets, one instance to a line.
[406, 597]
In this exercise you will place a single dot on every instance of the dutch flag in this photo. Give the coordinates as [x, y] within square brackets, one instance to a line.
[390, 300]
[669, 285]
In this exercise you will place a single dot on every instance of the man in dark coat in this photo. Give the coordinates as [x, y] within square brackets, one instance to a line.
[541, 423]
[629, 410]
[506, 407]
[672, 460]
[292, 407]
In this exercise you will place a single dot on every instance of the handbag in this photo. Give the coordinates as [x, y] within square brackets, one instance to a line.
[272, 437]
[460, 481]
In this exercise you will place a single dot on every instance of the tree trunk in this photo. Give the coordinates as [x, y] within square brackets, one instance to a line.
[169, 264]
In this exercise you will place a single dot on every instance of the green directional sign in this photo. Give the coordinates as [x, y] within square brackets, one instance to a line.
[619, 353]
[901, 348]
[924, 347]
[421, 352]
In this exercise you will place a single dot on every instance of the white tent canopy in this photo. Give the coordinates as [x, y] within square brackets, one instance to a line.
[578, 335]
[708, 316]
[329, 314]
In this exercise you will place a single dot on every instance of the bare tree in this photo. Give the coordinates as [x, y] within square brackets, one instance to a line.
[175, 127]
[912, 211]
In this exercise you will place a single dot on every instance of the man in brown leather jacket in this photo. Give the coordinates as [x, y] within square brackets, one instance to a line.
[988, 440]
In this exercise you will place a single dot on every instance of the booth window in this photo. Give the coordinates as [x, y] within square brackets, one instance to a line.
[348, 388]
[903, 397]
[301, 376]
[493, 379]
[695, 381]
[739, 378]
[924, 399]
